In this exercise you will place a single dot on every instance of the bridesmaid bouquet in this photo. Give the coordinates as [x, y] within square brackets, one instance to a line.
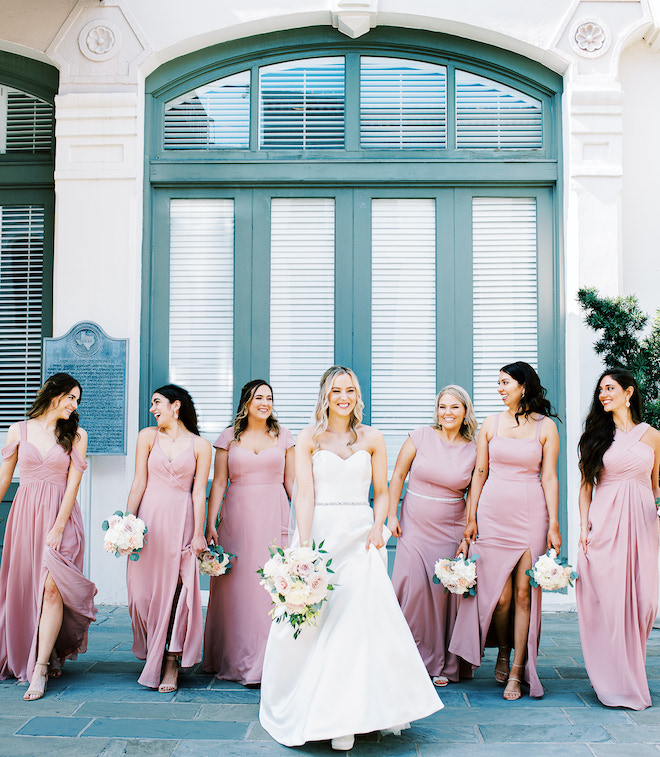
[550, 574]
[214, 561]
[457, 575]
[124, 534]
[298, 581]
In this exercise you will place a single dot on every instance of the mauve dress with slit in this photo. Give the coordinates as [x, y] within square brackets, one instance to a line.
[167, 510]
[27, 560]
[254, 515]
[432, 524]
[512, 517]
[617, 589]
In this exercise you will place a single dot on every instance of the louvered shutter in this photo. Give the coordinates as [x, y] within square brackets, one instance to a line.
[403, 352]
[21, 287]
[202, 306]
[302, 307]
[402, 104]
[505, 320]
[215, 116]
[491, 115]
[302, 104]
[26, 122]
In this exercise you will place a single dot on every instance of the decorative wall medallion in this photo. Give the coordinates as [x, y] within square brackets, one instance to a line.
[590, 38]
[99, 40]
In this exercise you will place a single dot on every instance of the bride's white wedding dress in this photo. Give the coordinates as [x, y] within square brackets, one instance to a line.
[359, 670]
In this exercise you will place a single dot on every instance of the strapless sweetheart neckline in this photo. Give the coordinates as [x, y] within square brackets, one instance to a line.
[339, 457]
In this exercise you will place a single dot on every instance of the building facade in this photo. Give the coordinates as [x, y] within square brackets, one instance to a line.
[415, 189]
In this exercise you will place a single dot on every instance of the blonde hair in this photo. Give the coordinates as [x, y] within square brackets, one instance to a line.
[323, 403]
[469, 426]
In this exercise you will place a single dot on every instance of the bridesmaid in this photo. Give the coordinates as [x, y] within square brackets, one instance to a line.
[440, 459]
[46, 604]
[256, 455]
[617, 592]
[172, 466]
[514, 499]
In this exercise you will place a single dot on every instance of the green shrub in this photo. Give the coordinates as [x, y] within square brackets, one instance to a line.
[620, 321]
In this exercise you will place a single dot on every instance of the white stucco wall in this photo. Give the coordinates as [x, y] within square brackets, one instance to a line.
[611, 112]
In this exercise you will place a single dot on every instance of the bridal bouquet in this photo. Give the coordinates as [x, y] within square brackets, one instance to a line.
[124, 534]
[298, 581]
[550, 574]
[214, 561]
[457, 575]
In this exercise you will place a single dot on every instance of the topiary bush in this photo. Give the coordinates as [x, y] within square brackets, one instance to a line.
[621, 344]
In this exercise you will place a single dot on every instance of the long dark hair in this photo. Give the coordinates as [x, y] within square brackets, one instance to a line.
[533, 399]
[240, 422]
[66, 429]
[599, 427]
[187, 413]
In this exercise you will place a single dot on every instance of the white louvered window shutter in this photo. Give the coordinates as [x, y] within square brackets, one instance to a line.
[215, 116]
[491, 115]
[403, 104]
[202, 307]
[302, 304]
[505, 320]
[403, 327]
[21, 287]
[26, 122]
[301, 104]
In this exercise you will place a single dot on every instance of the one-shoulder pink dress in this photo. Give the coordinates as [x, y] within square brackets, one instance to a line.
[27, 560]
[254, 515]
[166, 559]
[432, 524]
[512, 517]
[617, 589]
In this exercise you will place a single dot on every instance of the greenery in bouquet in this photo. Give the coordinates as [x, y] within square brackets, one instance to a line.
[549, 573]
[214, 561]
[124, 535]
[457, 575]
[298, 581]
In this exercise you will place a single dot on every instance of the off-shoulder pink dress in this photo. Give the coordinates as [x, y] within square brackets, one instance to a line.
[166, 559]
[432, 524]
[512, 517]
[254, 515]
[617, 589]
[27, 561]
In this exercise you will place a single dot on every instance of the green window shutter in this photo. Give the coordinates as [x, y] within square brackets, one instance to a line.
[505, 317]
[301, 104]
[491, 115]
[21, 287]
[403, 330]
[302, 302]
[403, 104]
[214, 116]
[202, 306]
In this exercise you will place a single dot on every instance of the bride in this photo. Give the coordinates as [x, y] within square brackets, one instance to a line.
[359, 670]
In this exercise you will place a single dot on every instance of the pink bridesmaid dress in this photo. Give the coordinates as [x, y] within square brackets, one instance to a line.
[432, 524]
[617, 589]
[165, 562]
[27, 561]
[512, 517]
[254, 515]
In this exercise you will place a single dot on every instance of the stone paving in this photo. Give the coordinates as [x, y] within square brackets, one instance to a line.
[98, 708]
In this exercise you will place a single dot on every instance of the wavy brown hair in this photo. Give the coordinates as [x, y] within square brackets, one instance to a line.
[240, 422]
[599, 428]
[57, 385]
[187, 412]
[533, 399]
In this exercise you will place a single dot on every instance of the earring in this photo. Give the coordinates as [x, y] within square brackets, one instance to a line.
[627, 403]
[176, 416]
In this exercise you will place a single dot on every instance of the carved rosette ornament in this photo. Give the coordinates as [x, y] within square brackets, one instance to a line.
[99, 40]
[590, 38]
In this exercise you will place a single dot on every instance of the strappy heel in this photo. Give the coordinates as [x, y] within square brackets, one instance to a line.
[511, 696]
[38, 683]
[171, 665]
[502, 676]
